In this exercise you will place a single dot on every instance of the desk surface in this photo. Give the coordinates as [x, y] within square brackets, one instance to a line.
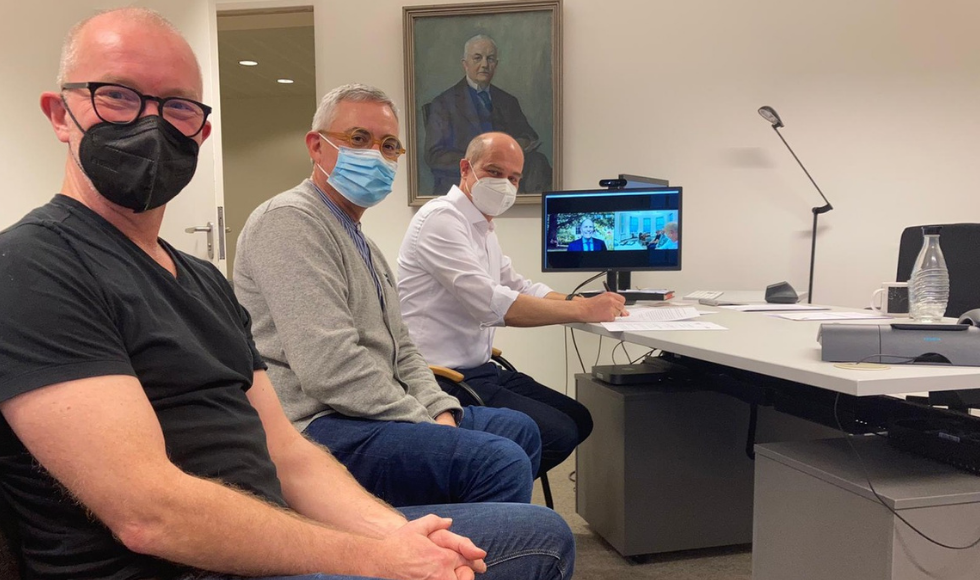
[788, 349]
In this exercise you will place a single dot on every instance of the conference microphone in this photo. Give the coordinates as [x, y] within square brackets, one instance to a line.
[770, 114]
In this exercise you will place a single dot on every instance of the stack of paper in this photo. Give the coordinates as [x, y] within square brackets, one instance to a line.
[773, 307]
[663, 318]
[832, 315]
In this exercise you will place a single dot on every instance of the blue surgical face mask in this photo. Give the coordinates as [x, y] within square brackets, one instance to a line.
[363, 176]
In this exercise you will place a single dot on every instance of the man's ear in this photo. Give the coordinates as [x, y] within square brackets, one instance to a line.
[54, 109]
[313, 144]
[464, 167]
[205, 131]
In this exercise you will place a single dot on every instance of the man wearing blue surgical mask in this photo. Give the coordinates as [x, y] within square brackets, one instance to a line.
[456, 285]
[326, 318]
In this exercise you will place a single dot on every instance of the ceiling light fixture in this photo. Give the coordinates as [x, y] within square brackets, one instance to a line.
[284, 81]
[248, 63]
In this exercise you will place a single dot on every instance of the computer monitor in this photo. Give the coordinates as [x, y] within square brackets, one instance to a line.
[613, 230]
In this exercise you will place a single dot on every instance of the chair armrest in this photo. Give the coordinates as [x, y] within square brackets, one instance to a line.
[446, 373]
[457, 377]
[496, 355]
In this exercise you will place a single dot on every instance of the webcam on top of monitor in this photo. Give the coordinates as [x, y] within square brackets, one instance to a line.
[612, 183]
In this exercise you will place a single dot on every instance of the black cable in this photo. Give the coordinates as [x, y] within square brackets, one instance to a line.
[621, 344]
[565, 336]
[574, 292]
[643, 356]
[867, 478]
[581, 363]
[629, 359]
[577, 353]
[750, 436]
[906, 359]
[598, 351]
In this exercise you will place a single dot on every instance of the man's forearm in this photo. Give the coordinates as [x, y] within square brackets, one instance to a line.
[314, 483]
[212, 527]
[532, 311]
[318, 486]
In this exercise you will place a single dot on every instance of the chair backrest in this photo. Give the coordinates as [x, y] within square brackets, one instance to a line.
[961, 248]
[9, 545]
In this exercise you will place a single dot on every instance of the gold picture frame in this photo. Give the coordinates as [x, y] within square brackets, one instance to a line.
[447, 44]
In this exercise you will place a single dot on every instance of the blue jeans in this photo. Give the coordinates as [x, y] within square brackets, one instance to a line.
[523, 542]
[491, 457]
[562, 421]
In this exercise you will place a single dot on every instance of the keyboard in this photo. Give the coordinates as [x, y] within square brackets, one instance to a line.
[704, 295]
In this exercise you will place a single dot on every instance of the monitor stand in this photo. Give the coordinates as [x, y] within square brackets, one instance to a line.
[617, 280]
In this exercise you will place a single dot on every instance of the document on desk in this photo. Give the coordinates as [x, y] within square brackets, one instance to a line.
[772, 307]
[670, 318]
[831, 315]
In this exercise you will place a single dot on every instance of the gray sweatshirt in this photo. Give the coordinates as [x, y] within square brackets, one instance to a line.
[318, 323]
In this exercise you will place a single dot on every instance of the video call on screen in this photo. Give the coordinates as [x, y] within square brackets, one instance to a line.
[612, 230]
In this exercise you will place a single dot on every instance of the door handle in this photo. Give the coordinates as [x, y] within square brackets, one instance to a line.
[210, 230]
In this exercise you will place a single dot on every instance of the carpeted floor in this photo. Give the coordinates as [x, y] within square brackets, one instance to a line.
[597, 560]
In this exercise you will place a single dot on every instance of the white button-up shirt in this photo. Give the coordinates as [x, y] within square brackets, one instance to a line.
[455, 283]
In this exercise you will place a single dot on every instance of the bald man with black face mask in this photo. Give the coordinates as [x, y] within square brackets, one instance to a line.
[140, 434]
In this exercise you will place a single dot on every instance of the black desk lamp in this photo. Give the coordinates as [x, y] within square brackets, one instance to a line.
[769, 114]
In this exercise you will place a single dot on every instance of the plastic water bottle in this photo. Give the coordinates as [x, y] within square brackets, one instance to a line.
[929, 284]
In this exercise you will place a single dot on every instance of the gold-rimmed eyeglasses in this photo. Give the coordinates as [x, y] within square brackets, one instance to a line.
[360, 138]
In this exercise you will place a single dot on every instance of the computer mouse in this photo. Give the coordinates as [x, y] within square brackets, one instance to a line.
[970, 317]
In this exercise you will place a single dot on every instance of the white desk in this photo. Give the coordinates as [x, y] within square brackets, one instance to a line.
[788, 349]
[667, 471]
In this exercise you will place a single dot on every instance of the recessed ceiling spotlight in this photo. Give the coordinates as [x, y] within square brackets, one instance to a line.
[284, 81]
[248, 63]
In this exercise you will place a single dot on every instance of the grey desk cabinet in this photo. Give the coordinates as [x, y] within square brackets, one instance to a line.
[817, 519]
[666, 470]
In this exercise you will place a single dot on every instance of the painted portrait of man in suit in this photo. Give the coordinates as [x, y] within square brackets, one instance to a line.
[474, 68]
[472, 106]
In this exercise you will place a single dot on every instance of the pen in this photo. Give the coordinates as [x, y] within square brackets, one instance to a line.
[606, 286]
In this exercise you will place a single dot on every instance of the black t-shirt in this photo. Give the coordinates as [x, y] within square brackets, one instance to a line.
[78, 299]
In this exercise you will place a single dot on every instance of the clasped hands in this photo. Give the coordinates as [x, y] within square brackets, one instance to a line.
[425, 549]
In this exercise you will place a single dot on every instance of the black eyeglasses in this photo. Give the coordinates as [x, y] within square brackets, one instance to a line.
[122, 105]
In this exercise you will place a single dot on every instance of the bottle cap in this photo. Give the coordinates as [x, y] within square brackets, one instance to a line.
[931, 230]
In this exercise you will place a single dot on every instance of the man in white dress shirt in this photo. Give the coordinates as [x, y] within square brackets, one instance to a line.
[456, 285]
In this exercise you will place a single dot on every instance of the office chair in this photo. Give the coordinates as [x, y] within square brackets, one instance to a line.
[961, 248]
[456, 378]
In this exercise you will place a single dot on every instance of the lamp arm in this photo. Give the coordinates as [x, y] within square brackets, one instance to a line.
[827, 207]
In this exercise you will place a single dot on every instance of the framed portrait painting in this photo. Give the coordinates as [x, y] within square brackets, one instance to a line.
[474, 68]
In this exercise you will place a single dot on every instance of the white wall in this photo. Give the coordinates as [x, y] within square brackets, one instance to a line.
[879, 97]
[264, 154]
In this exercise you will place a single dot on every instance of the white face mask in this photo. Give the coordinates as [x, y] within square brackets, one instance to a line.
[493, 195]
